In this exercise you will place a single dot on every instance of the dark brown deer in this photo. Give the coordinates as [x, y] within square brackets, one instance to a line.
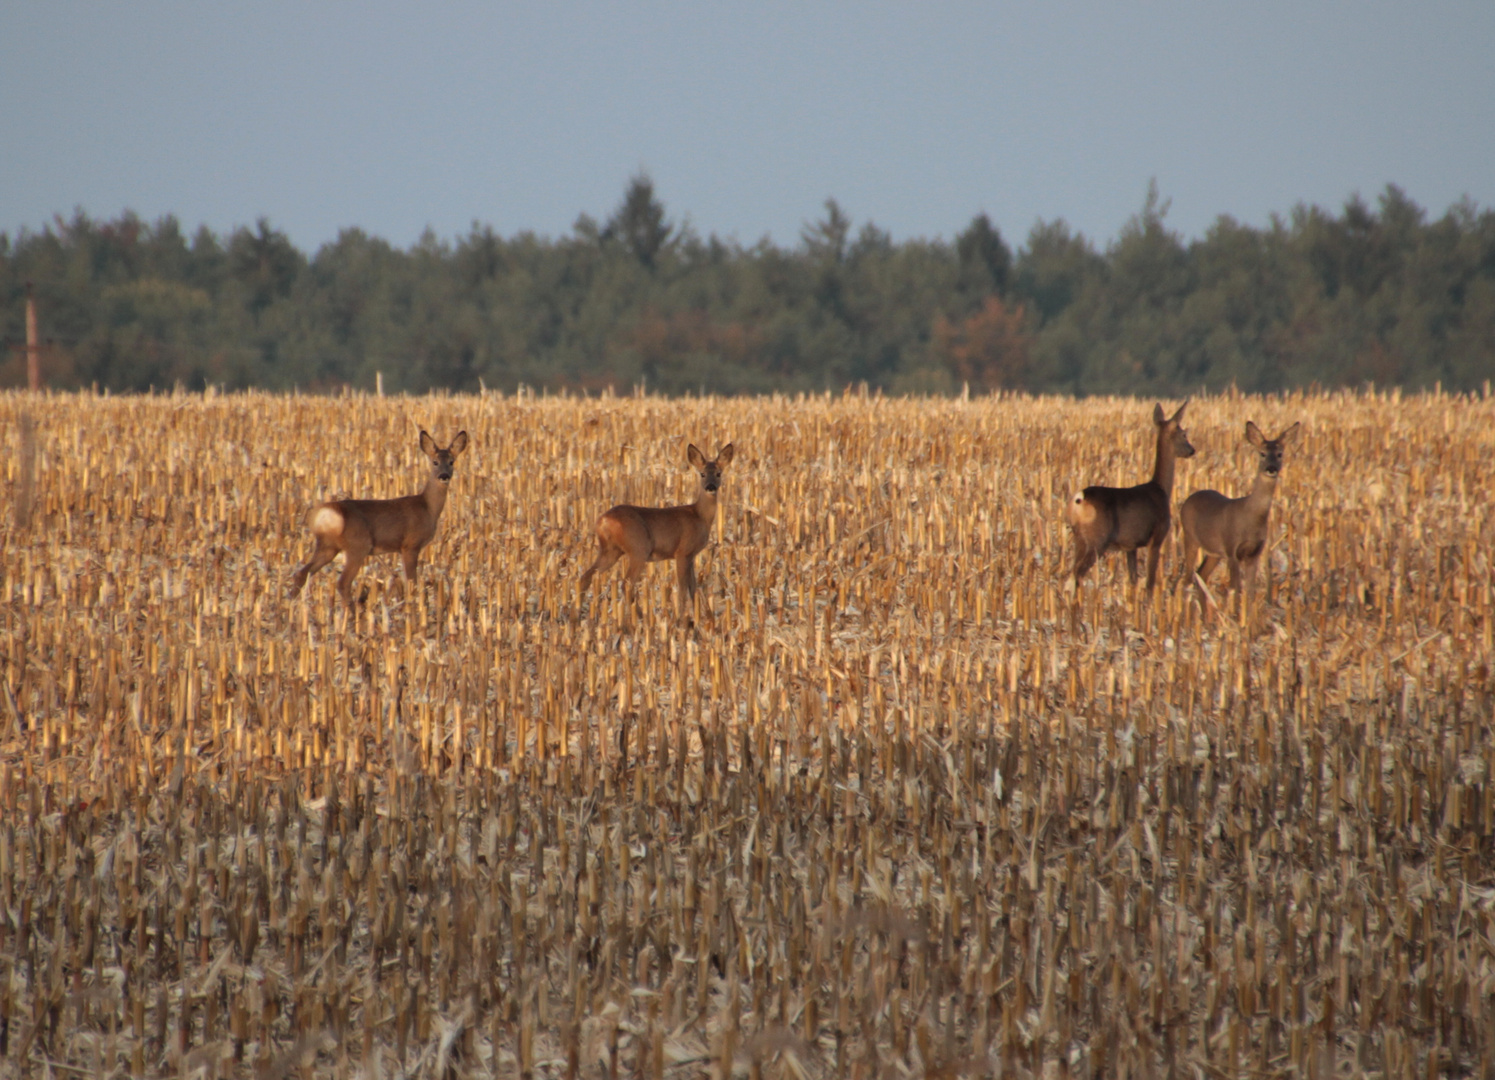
[362, 527]
[1104, 519]
[1235, 530]
[646, 534]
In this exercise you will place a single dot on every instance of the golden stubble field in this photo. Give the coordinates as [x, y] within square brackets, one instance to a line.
[897, 803]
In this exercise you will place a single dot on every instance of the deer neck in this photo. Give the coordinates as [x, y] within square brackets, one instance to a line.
[1259, 499]
[705, 505]
[1162, 468]
[434, 496]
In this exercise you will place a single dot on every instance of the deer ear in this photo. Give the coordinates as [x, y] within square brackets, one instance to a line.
[1254, 435]
[1158, 416]
[459, 444]
[1180, 414]
[724, 455]
[427, 444]
[695, 457]
[1289, 435]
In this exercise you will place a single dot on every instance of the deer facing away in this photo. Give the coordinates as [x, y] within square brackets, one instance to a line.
[362, 527]
[1235, 530]
[1106, 518]
[646, 534]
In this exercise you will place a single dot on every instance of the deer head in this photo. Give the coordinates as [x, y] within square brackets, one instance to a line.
[1173, 431]
[710, 471]
[1270, 449]
[443, 461]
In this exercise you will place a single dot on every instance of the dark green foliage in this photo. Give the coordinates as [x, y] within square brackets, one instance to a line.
[639, 223]
[985, 261]
[1375, 293]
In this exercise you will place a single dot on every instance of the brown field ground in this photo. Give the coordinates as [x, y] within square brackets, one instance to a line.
[894, 805]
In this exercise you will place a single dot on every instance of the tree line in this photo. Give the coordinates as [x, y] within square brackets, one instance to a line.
[1380, 294]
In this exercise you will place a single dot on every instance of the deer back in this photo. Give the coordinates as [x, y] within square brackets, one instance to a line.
[394, 524]
[1121, 517]
[660, 532]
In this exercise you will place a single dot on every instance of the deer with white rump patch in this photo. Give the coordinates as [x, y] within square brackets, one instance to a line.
[1235, 530]
[1106, 518]
[647, 534]
[362, 527]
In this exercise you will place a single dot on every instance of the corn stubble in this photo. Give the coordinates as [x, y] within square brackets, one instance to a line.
[888, 808]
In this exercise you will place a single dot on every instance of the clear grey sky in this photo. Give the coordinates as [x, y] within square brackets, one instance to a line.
[397, 116]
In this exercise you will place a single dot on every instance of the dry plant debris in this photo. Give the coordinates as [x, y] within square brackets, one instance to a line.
[896, 804]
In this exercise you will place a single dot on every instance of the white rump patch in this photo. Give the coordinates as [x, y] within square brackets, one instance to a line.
[324, 519]
[1079, 511]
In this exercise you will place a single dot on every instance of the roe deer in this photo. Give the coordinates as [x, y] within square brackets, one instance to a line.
[646, 534]
[363, 527]
[1106, 518]
[1235, 529]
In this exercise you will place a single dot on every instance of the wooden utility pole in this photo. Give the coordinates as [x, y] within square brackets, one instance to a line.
[33, 345]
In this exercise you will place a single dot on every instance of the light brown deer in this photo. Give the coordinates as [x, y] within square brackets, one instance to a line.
[362, 527]
[1106, 518]
[1235, 529]
[646, 534]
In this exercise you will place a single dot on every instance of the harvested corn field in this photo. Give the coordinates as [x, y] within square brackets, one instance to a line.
[897, 801]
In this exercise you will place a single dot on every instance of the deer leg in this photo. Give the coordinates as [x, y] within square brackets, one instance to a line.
[1248, 573]
[1154, 562]
[685, 576]
[631, 579]
[408, 559]
[319, 558]
[1085, 557]
[1131, 565]
[1235, 572]
[1191, 550]
[634, 575]
[606, 556]
[352, 563]
[1201, 575]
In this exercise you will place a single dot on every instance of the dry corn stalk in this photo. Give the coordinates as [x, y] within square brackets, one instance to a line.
[889, 807]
